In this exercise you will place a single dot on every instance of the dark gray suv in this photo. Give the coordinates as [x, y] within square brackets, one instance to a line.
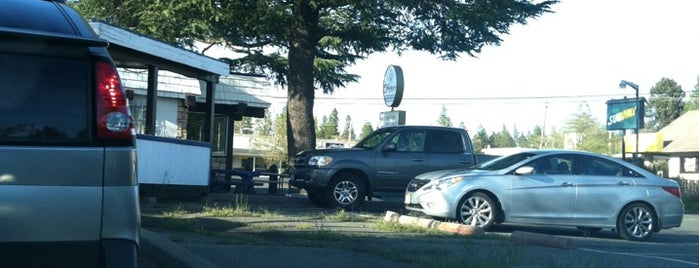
[68, 188]
[383, 162]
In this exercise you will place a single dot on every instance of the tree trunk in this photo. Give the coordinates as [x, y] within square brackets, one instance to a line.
[301, 92]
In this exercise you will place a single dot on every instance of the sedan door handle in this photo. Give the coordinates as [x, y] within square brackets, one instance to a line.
[418, 160]
[624, 183]
[567, 184]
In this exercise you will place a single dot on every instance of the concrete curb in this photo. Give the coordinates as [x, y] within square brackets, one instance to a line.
[448, 227]
[166, 253]
[456, 228]
[542, 240]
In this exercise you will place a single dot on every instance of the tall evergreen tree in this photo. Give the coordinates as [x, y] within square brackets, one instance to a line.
[503, 139]
[665, 103]
[480, 140]
[322, 130]
[332, 125]
[348, 131]
[444, 119]
[306, 45]
[693, 102]
[366, 130]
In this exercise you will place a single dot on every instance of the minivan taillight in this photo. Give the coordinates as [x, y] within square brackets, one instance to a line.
[113, 117]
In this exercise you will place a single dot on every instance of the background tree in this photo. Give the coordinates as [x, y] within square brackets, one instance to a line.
[554, 139]
[366, 130]
[270, 138]
[693, 102]
[332, 125]
[321, 130]
[502, 139]
[480, 140]
[534, 140]
[306, 45]
[348, 131]
[665, 103]
[588, 135]
[178, 22]
[443, 119]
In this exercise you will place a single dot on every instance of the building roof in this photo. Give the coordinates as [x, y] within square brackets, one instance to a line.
[681, 135]
[233, 89]
[133, 50]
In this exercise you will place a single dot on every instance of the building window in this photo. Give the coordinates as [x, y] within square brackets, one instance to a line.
[689, 164]
[138, 112]
[195, 131]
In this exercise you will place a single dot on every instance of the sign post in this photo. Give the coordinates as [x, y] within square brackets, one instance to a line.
[392, 96]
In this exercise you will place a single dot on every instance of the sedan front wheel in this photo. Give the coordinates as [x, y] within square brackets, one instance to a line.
[477, 209]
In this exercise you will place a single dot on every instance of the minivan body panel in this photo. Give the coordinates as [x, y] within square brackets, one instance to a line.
[40, 185]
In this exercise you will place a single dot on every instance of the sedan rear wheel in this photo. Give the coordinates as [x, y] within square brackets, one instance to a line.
[477, 210]
[636, 222]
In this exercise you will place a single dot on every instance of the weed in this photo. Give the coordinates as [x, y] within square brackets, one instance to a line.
[178, 212]
[343, 216]
[403, 228]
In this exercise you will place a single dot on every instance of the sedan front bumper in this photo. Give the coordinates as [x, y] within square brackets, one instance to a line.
[432, 203]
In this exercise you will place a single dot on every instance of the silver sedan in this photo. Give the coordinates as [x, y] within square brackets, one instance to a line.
[552, 187]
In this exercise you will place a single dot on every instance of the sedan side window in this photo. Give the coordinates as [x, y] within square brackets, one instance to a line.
[594, 166]
[557, 164]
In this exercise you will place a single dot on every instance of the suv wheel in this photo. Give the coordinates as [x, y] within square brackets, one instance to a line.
[346, 191]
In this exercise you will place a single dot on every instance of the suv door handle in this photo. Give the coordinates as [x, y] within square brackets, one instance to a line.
[418, 160]
[624, 183]
[567, 184]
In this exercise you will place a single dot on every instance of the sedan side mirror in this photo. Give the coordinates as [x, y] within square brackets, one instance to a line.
[525, 170]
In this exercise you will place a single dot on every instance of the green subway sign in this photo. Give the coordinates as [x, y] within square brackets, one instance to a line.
[622, 114]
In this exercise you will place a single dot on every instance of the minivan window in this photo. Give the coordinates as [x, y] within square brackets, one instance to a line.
[43, 99]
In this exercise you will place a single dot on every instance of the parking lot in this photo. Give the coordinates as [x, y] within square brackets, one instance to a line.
[266, 246]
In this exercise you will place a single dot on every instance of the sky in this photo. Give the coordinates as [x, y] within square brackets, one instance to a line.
[541, 74]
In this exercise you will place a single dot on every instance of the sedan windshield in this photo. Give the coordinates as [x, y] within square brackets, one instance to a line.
[374, 139]
[504, 161]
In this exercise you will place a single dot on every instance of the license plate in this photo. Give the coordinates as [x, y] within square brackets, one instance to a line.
[407, 198]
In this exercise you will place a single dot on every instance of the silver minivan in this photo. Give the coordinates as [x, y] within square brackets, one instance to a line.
[68, 187]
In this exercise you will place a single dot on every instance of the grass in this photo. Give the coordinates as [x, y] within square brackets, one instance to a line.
[344, 216]
[395, 227]
[241, 207]
[691, 203]
[398, 242]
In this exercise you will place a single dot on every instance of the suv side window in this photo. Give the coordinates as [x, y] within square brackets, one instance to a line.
[410, 141]
[444, 141]
[43, 99]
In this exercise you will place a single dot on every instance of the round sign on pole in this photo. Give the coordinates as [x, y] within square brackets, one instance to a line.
[393, 86]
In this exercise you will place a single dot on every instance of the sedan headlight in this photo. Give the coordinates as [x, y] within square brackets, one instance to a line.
[444, 183]
[320, 161]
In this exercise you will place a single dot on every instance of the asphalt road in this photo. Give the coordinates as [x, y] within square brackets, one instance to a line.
[678, 247]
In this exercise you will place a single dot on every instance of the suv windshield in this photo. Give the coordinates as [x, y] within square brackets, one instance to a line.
[374, 139]
[503, 161]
